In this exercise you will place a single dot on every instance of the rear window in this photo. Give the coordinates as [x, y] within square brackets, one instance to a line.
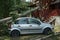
[21, 21]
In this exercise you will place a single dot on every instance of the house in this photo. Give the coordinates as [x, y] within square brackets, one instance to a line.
[51, 9]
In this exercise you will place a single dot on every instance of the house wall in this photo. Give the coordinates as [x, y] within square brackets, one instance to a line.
[57, 24]
[57, 21]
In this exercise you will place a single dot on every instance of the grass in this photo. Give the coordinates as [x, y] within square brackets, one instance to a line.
[57, 28]
[54, 37]
[57, 37]
[26, 37]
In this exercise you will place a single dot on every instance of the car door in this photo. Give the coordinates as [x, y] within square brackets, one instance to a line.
[34, 25]
[24, 26]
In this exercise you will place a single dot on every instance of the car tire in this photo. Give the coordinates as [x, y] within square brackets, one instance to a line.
[47, 31]
[15, 33]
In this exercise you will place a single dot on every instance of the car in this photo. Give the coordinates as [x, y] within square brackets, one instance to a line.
[29, 25]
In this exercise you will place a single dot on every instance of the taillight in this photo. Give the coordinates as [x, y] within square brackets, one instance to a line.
[9, 25]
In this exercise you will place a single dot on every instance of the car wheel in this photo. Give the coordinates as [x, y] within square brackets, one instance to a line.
[47, 31]
[15, 33]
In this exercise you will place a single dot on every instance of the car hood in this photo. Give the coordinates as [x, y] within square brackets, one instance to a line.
[46, 24]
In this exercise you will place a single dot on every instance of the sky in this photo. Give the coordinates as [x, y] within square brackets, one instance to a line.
[28, 0]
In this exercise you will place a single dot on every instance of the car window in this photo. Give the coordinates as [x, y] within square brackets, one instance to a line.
[33, 21]
[21, 21]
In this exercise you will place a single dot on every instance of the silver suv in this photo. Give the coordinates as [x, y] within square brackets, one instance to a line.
[28, 25]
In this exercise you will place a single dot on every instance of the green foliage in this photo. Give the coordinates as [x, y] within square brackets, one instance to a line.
[5, 7]
[9, 5]
[3, 29]
[18, 2]
[23, 6]
[14, 15]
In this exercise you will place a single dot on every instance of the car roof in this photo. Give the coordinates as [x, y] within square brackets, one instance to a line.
[25, 17]
[28, 17]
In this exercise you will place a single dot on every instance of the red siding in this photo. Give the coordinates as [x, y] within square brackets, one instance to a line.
[46, 13]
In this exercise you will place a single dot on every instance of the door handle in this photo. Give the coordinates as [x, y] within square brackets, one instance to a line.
[30, 25]
[19, 26]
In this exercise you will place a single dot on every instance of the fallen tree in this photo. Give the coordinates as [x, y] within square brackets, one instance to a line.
[10, 18]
